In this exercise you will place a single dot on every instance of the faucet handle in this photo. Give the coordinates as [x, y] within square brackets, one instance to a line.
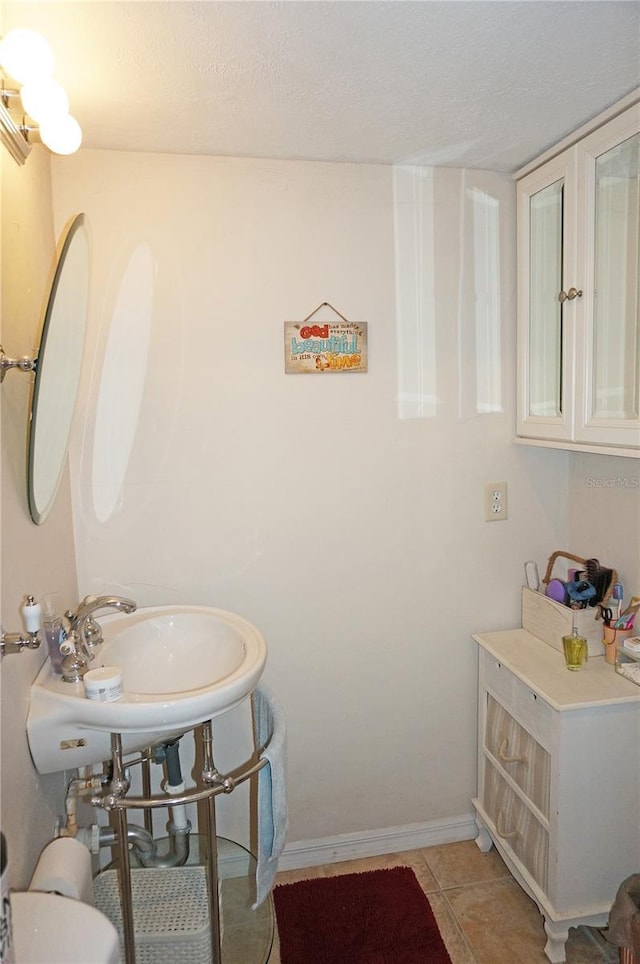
[74, 666]
[92, 633]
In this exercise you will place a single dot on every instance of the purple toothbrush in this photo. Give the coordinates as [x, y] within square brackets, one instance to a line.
[618, 593]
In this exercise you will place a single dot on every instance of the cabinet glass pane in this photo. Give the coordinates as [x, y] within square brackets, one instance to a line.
[545, 311]
[616, 374]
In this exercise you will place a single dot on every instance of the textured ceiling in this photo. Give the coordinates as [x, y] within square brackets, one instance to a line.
[479, 84]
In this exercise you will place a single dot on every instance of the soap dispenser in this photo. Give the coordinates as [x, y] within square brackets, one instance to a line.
[53, 629]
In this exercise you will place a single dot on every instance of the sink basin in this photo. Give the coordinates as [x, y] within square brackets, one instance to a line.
[181, 665]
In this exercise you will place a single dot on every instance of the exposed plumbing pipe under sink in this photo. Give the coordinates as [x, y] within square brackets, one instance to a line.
[142, 841]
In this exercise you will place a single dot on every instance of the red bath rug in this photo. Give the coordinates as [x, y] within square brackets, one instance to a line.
[377, 917]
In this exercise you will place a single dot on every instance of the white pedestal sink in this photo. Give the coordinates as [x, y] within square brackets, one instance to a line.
[181, 665]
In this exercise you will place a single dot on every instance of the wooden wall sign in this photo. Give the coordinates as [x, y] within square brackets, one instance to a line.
[315, 348]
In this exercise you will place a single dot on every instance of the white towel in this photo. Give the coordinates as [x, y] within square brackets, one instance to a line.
[271, 744]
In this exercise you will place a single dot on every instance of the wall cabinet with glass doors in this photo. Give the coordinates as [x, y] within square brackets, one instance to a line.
[579, 292]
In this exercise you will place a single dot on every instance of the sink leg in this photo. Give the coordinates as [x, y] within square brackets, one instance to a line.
[212, 850]
[119, 787]
[126, 897]
[212, 874]
[146, 788]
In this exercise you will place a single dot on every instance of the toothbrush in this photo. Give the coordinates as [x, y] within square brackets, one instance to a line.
[618, 593]
[625, 621]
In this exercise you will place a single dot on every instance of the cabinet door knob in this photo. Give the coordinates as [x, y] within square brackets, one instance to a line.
[569, 295]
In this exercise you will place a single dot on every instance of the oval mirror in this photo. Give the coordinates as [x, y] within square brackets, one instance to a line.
[57, 369]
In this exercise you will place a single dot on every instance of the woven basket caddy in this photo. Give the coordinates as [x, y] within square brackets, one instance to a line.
[585, 564]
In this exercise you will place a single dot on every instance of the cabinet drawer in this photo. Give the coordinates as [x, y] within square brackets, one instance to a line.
[518, 754]
[529, 709]
[516, 825]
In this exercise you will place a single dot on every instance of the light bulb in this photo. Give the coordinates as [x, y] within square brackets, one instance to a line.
[26, 56]
[62, 135]
[43, 99]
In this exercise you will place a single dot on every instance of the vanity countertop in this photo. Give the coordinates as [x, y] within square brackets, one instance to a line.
[542, 668]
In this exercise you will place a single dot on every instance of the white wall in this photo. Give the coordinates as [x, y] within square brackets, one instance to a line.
[34, 559]
[352, 537]
[604, 514]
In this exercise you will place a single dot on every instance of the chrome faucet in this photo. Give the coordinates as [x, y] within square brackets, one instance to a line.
[87, 628]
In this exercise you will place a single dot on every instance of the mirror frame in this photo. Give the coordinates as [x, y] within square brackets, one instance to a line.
[39, 508]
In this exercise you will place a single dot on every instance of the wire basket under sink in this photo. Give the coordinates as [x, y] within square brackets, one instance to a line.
[171, 913]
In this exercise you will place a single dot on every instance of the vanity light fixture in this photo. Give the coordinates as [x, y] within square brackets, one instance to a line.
[38, 105]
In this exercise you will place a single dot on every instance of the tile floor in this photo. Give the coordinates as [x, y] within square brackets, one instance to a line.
[483, 914]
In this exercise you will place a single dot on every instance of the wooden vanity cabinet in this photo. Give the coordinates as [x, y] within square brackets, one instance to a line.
[558, 778]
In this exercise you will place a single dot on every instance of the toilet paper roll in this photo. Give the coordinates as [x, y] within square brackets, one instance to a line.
[65, 868]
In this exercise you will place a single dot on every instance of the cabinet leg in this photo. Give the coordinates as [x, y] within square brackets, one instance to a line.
[558, 934]
[483, 840]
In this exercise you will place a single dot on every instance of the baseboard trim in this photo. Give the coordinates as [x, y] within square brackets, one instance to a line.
[373, 843]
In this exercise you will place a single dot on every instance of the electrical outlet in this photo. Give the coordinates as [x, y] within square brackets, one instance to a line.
[495, 501]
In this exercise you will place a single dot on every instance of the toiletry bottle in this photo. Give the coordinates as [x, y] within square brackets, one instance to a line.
[576, 649]
[6, 929]
[53, 629]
